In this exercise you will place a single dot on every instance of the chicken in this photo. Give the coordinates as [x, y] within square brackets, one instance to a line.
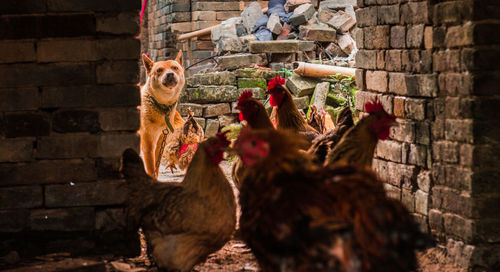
[287, 113]
[325, 142]
[183, 222]
[254, 113]
[358, 144]
[182, 145]
[298, 216]
[316, 120]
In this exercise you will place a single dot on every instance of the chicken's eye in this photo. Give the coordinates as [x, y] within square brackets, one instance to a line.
[253, 143]
[159, 70]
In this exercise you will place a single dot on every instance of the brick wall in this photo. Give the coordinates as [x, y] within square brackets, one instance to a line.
[68, 109]
[433, 64]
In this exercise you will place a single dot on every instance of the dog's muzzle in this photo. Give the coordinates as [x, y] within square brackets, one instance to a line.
[169, 79]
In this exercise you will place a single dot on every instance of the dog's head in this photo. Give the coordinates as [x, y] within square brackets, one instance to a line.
[166, 77]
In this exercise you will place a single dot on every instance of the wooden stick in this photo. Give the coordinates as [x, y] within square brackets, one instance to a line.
[321, 70]
[202, 32]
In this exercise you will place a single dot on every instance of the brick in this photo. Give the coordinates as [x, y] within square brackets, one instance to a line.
[393, 60]
[210, 94]
[421, 85]
[366, 16]
[376, 81]
[117, 72]
[43, 172]
[217, 6]
[23, 7]
[428, 37]
[408, 199]
[216, 110]
[453, 12]
[436, 222]
[246, 83]
[118, 24]
[212, 127]
[423, 133]
[448, 60]
[415, 13]
[301, 86]
[366, 59]
[224, 15]
[346, 43]
[415, 36]
[200, 121]
[90, 96]
[398, 37]
[418, 155]
[15, 150]
[204, 15]
[217, 78]
[70, 219]
[445, 151]
[196, 109]
[301, 102]
[113, 145]
[20, 27]
[13, 220]
[17, 51]
[67, 146]
[389, 150]
[362, 97]
[341, 21]
[256, 73]
[75, 121]
[241, 61]
[85, 194]
[111, 219]
[381, 60]
[459, 36]
[302, 14]
[459, 130]
[112, 5]
[421, 202]
[392, 191]
[380, 37]
[21, 197]
[181, 27]
[46, 75]
[459, 226]
[317, 33]
[26, 124]
[281, 46]
[388, 15]
[358, 34]
[415, 108]
[403, 130]
[227, 119]
[397, 83]
[119, 119]
[66, 50]
[118, 49]
[19, 99]
[360, 79]
[399, 110]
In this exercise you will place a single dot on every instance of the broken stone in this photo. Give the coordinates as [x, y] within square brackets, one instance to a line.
[195, 108]
[335, 51]
[250, 15]
[212, 127]
[227, 119]
[317, 33]
[274, 24]
[320, 94]
[283, 57]
[350, 10]
[236, 44]
[301, 102]
[217, 78]
[285, 32]
[245, 83]
[226, 29]
[233, 62]
[216, 110]
[324, 15]
[346, 43]
[283, 46]
[301, 86]
[341, 21]
[210, 94]
[337, 4]
[291, 5]
[256, 73]
[302, 14]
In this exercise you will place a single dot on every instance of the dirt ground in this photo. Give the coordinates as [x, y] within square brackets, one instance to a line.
[235, 256]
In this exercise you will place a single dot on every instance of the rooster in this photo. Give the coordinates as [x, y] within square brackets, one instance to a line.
[298, 216]
[183, 222]
[180, 150]
[325, 142]
[358, 144]
[287, 113]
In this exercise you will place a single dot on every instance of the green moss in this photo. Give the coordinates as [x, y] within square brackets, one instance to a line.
[252, 83]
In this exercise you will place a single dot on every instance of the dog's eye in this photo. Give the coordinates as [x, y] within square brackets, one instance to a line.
[175, 68]
[159, 70]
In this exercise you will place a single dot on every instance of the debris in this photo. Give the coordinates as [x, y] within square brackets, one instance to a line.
[320, 93]
[301, 86]
[282, 46]
[317, 33]
[346, 43]
[291, 5]
[341, 21]
[302, 14]
[250, 15]
[274, 24]
[236, 61]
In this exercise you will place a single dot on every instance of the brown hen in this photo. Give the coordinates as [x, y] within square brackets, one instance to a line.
[183, 222]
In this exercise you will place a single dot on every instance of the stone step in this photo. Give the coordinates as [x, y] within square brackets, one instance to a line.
[236, 61]
[210, 94]
[281, 46]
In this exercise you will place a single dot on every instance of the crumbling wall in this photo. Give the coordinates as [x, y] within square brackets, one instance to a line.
[433, 65]
[68, 109]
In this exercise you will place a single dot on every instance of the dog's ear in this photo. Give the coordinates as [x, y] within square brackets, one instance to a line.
[148, 63]
[180, 58]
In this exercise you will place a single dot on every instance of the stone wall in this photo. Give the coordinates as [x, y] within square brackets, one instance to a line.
[433, 65]
[68, 109]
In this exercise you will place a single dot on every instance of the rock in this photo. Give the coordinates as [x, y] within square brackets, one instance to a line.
[320, 94]
[245, 83]
[285, 32]
[301, 86]
[291, 5]
[317, 33]
[227, 119]
[302, 14]
[301, 102]
[232, 62]
[282, 46]
[346, 43]
[216, 110]
[274, 24]
[197, 109]
[217, 78]
[250, 15]
[212, 127]
[335, 51]
[256, 73]
[226, 29]
[341, 21]
[210, 94]
[235, 44]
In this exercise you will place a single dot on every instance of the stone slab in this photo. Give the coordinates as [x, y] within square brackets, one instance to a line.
[281, 46]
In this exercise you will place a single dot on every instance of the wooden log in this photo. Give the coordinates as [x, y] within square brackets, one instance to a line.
[321, 70]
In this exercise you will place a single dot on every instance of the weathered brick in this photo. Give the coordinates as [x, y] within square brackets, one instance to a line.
[381, 38]
[393, 60]
[436, 222]
[70, 219]
[113, 145]
[389, 150]
[397, 83]
[415, 13]
[90, 96]
[216, 110]
[453, 12]
[19, 99]
[66, 50]
[392, 191]
[47, 171]
[408, 199]
[403, 130]
[117, 72]
[415, 36]
[459, 130]
[376, 81]
[421, 202]
[399, 106]
[13, 220]
[458, 36]
[21, 197]
[418, 61]
[428, 37]
[15, 150]
[222, 6]
[366, 16]
[362, 97]
[67, 146]
[418, 155]
[75, 121]
[388, 15]
[26, 124]
[381, 60]
[398, 37]
[119, 119]
[366, 59]
[111, 219]
[387, 103]
[196, 109]
[224, 15]
[281, 46]
[212, 127]
[122, 23]
[17, 51]
[360, 79]
[118, 49]
[241, 61]
[459, 227]
[423, 133]
[85, 194]
[448, 60]
[415, 108]
[114, 5]
[23, 7]
[421, 85]
[210, 94]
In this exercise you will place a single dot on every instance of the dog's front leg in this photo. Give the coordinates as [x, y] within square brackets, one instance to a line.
[148, 145]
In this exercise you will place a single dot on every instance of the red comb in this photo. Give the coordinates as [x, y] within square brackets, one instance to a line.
[244, 96]
[275, 82]
[372, 106]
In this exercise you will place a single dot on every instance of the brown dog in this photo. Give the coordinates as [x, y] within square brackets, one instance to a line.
[159, 97]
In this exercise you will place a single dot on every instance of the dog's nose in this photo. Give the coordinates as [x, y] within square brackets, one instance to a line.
[169, 76]
[169, 79]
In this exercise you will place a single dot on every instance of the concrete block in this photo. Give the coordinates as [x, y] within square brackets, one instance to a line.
[301, 86]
